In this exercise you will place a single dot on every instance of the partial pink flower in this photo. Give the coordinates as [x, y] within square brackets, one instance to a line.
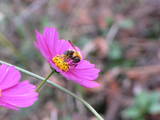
[15, 94]
[66, 58]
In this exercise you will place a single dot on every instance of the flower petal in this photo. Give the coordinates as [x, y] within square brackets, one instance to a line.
[63, 46]
[51, 38]
[9, 76]
[90, 84]
[47, 42]
[83, 74]
[6, 105]
[21, 95]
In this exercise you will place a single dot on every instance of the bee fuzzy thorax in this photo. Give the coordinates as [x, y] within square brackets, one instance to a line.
[77, 54]
[73, 54]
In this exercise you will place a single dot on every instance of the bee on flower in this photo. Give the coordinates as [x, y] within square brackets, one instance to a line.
[66, 58]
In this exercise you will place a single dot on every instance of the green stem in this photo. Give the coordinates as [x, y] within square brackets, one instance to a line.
[44, 81]
[59, 87]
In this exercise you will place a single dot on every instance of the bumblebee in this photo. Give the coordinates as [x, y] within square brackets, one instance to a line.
[74, 55]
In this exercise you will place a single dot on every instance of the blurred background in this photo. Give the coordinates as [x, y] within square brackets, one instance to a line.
[122, 37]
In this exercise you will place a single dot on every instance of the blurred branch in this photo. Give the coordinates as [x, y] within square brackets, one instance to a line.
[144, 71]
[112, 33]
[113, 108]
[88, 48]
[80, 106]
[27, 13]
[109, 39]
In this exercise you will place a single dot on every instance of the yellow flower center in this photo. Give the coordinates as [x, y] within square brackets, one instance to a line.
[60, 63]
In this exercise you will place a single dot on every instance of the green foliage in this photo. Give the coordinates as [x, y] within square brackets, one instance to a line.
[131, 113]
[67, 118]
[82, 41]
[110, 20]
[144, 103]
[153, 32]
[127, 24]
[115, 51]
[117, 58]
[45, 21]
[155, 108]
[21, 31]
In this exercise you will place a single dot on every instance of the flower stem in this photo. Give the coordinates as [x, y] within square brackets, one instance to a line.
[44, 81]
[59, 87]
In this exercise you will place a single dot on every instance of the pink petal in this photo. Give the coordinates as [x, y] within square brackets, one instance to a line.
[21, 95]
[90, 84]
[63, 46]
[83, 74]
[6, 105]
[42, 46]
[51, 38]
[49, 44]
[9, 76]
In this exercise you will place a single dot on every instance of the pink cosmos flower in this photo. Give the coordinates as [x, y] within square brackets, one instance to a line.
[15, 94]
[66, 58]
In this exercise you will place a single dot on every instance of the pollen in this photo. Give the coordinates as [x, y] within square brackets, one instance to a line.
[60, 63]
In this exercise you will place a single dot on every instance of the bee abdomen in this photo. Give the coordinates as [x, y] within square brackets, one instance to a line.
[76, 59]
